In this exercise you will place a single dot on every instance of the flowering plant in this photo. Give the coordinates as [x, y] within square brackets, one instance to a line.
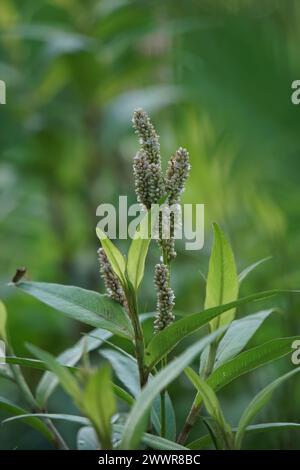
[124, 403]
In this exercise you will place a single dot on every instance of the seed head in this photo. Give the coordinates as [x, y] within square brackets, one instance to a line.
[111, 281]
[165, 298]
[148, 137]
[177, 174]
[149, 185]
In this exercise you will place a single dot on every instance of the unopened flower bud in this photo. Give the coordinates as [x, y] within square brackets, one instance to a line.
[111, 281]
[165, 298]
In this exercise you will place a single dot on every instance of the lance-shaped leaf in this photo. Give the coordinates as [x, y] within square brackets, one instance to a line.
[137, 419]
[163, 342]
[243, 274]
[248, 361]
[222, 280]
[213, 408]
[114, 256]
[32, 421]
[98, 403]
[69, 357]
[258, 402]
[83, 305]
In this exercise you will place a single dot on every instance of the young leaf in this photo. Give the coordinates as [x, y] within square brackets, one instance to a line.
[65, 377]
[137, 419]
[258, 402]
[83, 305]
[70, 357]
[212, 406]
[222, 280]
[114, 256]
[136, 260]
[243, 274]
[98, 403]
[32, 421]
[238, 335]
[164, 341]
[3, 317]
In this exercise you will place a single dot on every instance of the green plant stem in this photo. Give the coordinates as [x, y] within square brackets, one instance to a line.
[58, 440]
[138, 336]
[195, 409]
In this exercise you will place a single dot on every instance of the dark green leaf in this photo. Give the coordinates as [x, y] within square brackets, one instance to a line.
[83, 305]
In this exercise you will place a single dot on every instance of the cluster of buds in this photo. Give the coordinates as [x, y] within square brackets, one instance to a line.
[150, 186]
[165, 298]
[149, 182]
[112, 284]
[177, 174]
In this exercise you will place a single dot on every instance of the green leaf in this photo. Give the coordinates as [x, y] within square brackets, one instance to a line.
[70, 357]
[136, 259]
[126, 369]
[205, 441]
[98, 403]
[250, 360]
[114, 256]
[222, 280]
[212, 406]
[3, 317]
[122, 394]
[83, 305]
[34, 422]
[137, 419]
[53, 416]
[152, 441]
[65, 377]
[25, 361]
[238, 335]
[258, 402]
[166, 340]
[87, 439]
[243, 274]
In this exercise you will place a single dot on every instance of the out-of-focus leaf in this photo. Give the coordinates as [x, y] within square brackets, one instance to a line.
[243, 274]
[70, 357]
[32, 421]
[3, 317]
[205, 441]
[258, 402]
[65, 377]
[98, 403]
[126, 370]
[137, 419]
[87, 439]
[83, 305]
[222, 280]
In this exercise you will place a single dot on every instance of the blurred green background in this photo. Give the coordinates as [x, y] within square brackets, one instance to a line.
[216, 78]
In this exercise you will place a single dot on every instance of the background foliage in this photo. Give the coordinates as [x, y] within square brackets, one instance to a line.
[216, 77]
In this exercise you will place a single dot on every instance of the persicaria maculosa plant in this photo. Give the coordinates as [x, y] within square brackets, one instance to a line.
[140, 381]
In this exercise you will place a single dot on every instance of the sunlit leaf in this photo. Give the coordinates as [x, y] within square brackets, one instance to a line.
[222, 280]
